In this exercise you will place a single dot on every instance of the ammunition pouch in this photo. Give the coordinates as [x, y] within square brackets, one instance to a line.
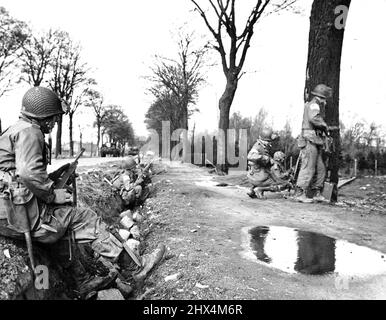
[314, 136]
[20, 207]
[5, 205]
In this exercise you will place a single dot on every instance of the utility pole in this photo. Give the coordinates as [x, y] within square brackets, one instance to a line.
[80, 139]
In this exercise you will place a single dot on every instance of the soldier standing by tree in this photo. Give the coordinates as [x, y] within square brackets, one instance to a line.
[311, 141]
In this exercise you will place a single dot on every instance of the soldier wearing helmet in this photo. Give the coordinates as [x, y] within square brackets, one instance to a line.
[129, 163]
[311, 141]
[260, 161]
[130, 188]
[26, 188]
[279, 156]
[280, 175]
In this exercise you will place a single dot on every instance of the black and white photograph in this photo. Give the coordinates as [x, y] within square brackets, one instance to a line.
[206, 152]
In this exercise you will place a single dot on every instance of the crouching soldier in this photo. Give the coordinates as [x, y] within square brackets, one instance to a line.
[131, 183]
[259, 161]
[29, 202]
[281, 176]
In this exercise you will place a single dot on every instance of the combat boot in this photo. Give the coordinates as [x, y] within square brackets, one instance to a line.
[82, 283]
[92, 284]
[252, 193]
[89, 274]
[260, 192]
[319, 197]
[301, 196]
[148, 261]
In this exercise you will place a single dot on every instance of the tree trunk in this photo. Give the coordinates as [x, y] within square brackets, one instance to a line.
[80, 140]
[323, 66]
[58, 149]
[70, 133]
[184, 115]
[225, 104]
[184, 125]
[98, 138]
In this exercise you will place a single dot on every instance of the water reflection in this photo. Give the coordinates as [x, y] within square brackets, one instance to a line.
[316, 253]
[297, 251]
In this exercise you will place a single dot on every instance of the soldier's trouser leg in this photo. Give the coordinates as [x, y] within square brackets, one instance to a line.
[81, 224]
[309, 159]
[320, 175]
[129, 197]
[263, 179]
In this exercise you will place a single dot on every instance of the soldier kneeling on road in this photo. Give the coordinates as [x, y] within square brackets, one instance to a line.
[260, 163]
[280, 175]
[30, 204]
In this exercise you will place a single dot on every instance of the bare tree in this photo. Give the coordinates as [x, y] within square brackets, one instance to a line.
[323, 65]
[179, 80]
[95, 102]
[259, 122]
[163, 109]
[79, 100]
[117, 126]
[372, 135]
[37, 57]
[68, 72]
[233, 46]
[13, 34]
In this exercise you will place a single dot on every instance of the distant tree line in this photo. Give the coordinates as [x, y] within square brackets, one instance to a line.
[174, 85]
[52, 59]
[361, 141]
[365, 143]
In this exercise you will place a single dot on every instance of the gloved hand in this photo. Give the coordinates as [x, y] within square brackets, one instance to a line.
[62, 196]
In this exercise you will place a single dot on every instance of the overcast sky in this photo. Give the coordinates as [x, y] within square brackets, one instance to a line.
[120, 38]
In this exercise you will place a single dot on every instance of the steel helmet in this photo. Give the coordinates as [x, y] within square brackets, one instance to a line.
[40, 103]
[266, 134]
[279, 156]
[129, 163]
[322, 91]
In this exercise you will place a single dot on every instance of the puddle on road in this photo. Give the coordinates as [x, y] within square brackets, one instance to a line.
[219, 185]
[296, 251]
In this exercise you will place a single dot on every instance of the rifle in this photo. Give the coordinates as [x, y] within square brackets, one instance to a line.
[133, 256]
[66, 177]
[142, 175]
[69, 176]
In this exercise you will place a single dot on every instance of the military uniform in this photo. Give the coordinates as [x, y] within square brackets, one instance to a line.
[260, 175]
[311, 141]
[280, 175]
[125, 184]
[259, 160]
[31, 206]
[27, 188]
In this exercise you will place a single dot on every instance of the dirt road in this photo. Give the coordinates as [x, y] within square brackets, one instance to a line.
[204, 227]
[83, 162]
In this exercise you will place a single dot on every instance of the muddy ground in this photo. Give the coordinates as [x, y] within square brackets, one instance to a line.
[202, 226]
